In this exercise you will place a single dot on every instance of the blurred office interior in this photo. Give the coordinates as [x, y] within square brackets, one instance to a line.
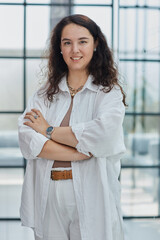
[132, 28]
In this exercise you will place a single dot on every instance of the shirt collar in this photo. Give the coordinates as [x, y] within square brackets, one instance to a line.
[89, 84]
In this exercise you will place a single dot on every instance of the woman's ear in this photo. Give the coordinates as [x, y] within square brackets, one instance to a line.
[61, 51]
[95, 44]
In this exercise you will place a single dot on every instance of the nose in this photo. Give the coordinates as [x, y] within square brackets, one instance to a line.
[75, 48]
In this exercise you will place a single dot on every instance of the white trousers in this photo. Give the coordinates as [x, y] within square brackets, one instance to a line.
[61, 220]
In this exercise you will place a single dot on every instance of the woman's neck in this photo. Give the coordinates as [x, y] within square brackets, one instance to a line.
[76, 79]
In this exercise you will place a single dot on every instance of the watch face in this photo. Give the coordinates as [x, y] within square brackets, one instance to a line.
[49, 129]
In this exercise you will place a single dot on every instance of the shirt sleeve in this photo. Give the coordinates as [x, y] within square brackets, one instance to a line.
[30, 141]
[103, 136]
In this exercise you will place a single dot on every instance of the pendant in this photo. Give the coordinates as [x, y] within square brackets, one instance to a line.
[72, 94]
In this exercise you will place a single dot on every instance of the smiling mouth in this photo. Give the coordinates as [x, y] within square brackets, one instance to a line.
[76, 58]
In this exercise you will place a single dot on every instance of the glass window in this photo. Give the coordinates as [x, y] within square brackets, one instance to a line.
[38, 34]
[14, 230]
[11, 1]
[57, 13]
[93, 1]
[11, 90]
[142, 85]
[11, 30]
[8, 122]
[152, 34]
[128, 3]
[48, 1]
[142, 140]
[35, 75]
[140, 2]
[10, 191]
[152, 3]
[38, 1]
[143, 40]
[140, 195]
[10, 154]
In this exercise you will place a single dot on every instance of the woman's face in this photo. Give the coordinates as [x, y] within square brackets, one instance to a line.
[77, 46]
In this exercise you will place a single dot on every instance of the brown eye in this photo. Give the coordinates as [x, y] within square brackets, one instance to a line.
[83, 42]
[67, 43]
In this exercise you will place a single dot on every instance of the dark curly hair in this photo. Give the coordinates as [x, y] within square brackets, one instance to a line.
[101, 67]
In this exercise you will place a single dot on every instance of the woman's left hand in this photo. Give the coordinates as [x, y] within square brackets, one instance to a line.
[37, 121]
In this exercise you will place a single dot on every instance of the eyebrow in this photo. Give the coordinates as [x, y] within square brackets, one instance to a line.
[67, 39]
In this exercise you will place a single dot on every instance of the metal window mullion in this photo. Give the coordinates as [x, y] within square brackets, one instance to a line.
[159, 132]
[124, 166]
[9, 219]
[12, 166]
[143, 90]
[141, 217]
[69, 7]
[24, 69]
[115, 28]
[138, 60]
[157, 114]
[135, 85]
[24, 58]
[56, 4]
[112, 24]
[146, 7]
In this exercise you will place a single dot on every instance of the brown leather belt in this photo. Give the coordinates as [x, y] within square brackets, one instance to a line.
[61, 175]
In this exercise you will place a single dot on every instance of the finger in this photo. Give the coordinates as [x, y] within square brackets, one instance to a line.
[28, 123]
[30, 113]
[36, 111]
[35, 115]
[30, 117]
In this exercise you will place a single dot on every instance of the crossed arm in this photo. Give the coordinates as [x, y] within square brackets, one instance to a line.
[62, 145]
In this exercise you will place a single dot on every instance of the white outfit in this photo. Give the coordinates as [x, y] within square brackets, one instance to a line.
[96, 120]
[61, 221]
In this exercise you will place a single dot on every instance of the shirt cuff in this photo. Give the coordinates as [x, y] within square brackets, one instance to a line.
[78, 129]
[37, 144]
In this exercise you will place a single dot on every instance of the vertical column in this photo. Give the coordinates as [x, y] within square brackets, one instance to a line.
[58, 12]
[24, 68]
[115, 28]
[24, 57]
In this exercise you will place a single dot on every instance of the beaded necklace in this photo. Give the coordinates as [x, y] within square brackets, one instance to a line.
[73, 91]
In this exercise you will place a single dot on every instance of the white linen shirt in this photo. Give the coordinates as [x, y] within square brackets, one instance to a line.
[96, 120]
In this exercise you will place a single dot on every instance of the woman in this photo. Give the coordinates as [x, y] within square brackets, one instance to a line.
[71, 134]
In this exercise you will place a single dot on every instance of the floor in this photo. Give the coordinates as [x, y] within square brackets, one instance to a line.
[134, 230]
[142, 230]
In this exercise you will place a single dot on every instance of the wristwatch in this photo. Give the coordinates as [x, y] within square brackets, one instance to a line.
[49, 131]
